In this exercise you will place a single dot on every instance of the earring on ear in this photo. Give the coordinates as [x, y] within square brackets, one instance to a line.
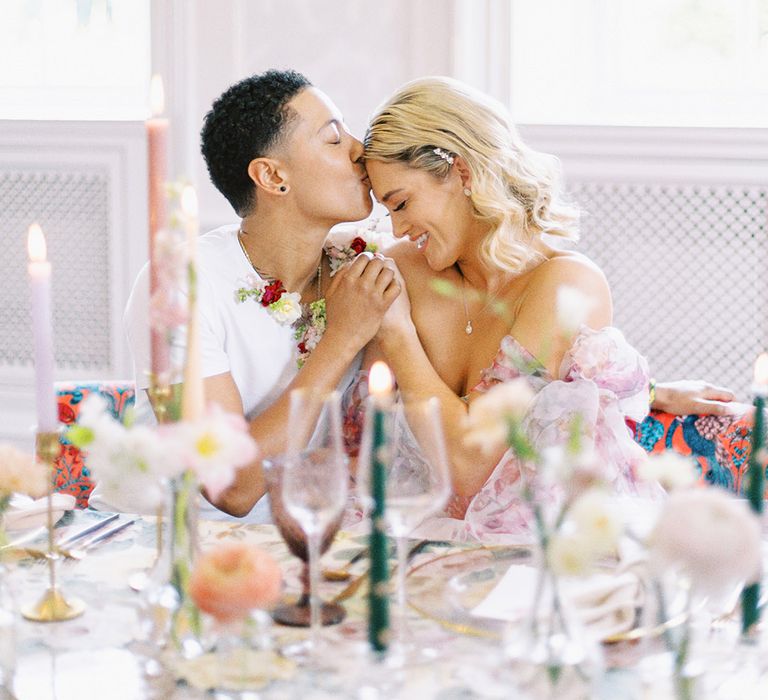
[467, 192]
[283, 188]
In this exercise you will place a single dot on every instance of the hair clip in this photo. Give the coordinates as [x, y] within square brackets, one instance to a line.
[444, 155]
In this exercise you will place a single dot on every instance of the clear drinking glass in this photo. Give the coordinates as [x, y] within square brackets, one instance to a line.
[314, 481]
[418, 481]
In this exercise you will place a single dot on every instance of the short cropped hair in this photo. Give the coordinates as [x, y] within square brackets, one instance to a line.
[245, 122]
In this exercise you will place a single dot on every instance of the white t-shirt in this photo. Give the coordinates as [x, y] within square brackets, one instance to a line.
[239, 338]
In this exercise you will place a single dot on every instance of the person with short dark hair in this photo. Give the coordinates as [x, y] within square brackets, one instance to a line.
[278, 149]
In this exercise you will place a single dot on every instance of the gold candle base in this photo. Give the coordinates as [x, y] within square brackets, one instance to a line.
[54, 607]
[161, 397]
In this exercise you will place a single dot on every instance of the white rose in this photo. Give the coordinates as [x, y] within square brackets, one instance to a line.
[570, 554]
[710, 536]
[596, 517]
[287, 309]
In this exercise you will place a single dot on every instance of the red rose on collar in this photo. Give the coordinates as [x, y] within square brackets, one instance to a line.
[358, 245]
[272, 293]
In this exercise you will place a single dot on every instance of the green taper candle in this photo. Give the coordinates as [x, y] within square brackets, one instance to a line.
[380, 388]
[750, 610]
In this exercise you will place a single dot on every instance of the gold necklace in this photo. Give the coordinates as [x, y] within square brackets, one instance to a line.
[242, 233]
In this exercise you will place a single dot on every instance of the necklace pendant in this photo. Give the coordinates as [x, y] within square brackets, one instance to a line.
[468, 328]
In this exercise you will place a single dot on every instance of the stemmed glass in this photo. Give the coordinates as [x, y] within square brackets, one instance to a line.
[418, 481]
[314, 482]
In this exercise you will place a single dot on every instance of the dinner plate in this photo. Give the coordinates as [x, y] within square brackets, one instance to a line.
[25, 513]
[449, 587]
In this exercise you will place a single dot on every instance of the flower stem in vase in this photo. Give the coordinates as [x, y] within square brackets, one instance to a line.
[186, 620]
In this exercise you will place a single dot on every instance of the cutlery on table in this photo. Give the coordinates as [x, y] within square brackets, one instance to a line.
[351, 589]
[30, 536]
[84, 532]
[344, 574]
[80, 551]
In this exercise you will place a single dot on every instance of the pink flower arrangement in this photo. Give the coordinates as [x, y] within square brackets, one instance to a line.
[233, 579]
[20, 472]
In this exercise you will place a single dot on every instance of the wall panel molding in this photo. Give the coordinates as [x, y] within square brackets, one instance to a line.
[85, 182]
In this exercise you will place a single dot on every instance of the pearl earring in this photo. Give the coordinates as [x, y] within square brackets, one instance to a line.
[467, 192]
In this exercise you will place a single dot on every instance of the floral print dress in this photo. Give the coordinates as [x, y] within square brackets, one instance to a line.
[603, 380]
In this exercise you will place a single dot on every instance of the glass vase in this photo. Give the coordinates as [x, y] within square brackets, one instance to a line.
[550, 647]
[8, 631]
[172, 619]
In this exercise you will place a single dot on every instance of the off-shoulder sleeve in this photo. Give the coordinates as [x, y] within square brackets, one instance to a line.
[607, 359]
[602, 380]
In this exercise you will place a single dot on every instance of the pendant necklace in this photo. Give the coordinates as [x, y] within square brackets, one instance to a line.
[468, 327]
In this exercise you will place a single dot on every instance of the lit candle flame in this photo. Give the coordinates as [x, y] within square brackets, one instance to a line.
[36, 247]
[189, 202]
[380, 380]
[156, 96]
[761, 369]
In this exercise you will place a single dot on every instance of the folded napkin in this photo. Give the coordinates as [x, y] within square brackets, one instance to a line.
[606, 603]
[24, 512]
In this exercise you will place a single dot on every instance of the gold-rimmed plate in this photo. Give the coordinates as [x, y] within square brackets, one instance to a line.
[448, 587]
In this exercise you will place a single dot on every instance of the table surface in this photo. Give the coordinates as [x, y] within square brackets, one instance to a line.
[101, 653]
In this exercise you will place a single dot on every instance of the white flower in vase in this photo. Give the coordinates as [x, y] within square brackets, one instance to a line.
[214, 448]
[709, 536]
[671, 470]
[596, 517]
[493, 413]
[570, 553]
[128, 463]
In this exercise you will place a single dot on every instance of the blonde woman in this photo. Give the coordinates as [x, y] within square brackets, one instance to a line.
[476, 208]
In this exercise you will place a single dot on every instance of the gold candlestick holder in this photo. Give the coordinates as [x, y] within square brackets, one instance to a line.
[53, 606]
[161, 396]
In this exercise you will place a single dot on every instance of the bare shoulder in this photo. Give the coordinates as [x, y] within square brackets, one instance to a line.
[404, 253]
[570, 268]
[410, 262]
[574, 270]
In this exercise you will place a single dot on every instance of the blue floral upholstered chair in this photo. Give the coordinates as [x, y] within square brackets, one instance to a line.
[71, 473]
[720, 444]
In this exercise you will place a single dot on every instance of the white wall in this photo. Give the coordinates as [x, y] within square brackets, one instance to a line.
[358, 51]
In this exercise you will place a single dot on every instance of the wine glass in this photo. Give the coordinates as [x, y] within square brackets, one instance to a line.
[418, 481]
[314, 486]
[297, 614]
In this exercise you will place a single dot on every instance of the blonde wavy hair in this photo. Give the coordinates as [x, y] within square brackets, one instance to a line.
[515, 190]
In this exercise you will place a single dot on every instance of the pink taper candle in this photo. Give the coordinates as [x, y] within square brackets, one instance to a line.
[157, 140]
[42, 330]
[192, 396]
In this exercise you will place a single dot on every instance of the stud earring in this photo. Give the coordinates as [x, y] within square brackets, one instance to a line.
[283, 188]
[467, 192]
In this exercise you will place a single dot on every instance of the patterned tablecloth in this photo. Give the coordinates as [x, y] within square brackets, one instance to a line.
[101, 654]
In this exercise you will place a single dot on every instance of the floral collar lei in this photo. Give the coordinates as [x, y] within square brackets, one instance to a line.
[308, 321]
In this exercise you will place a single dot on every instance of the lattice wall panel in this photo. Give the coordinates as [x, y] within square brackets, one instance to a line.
[688, 266]
[73, 209]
